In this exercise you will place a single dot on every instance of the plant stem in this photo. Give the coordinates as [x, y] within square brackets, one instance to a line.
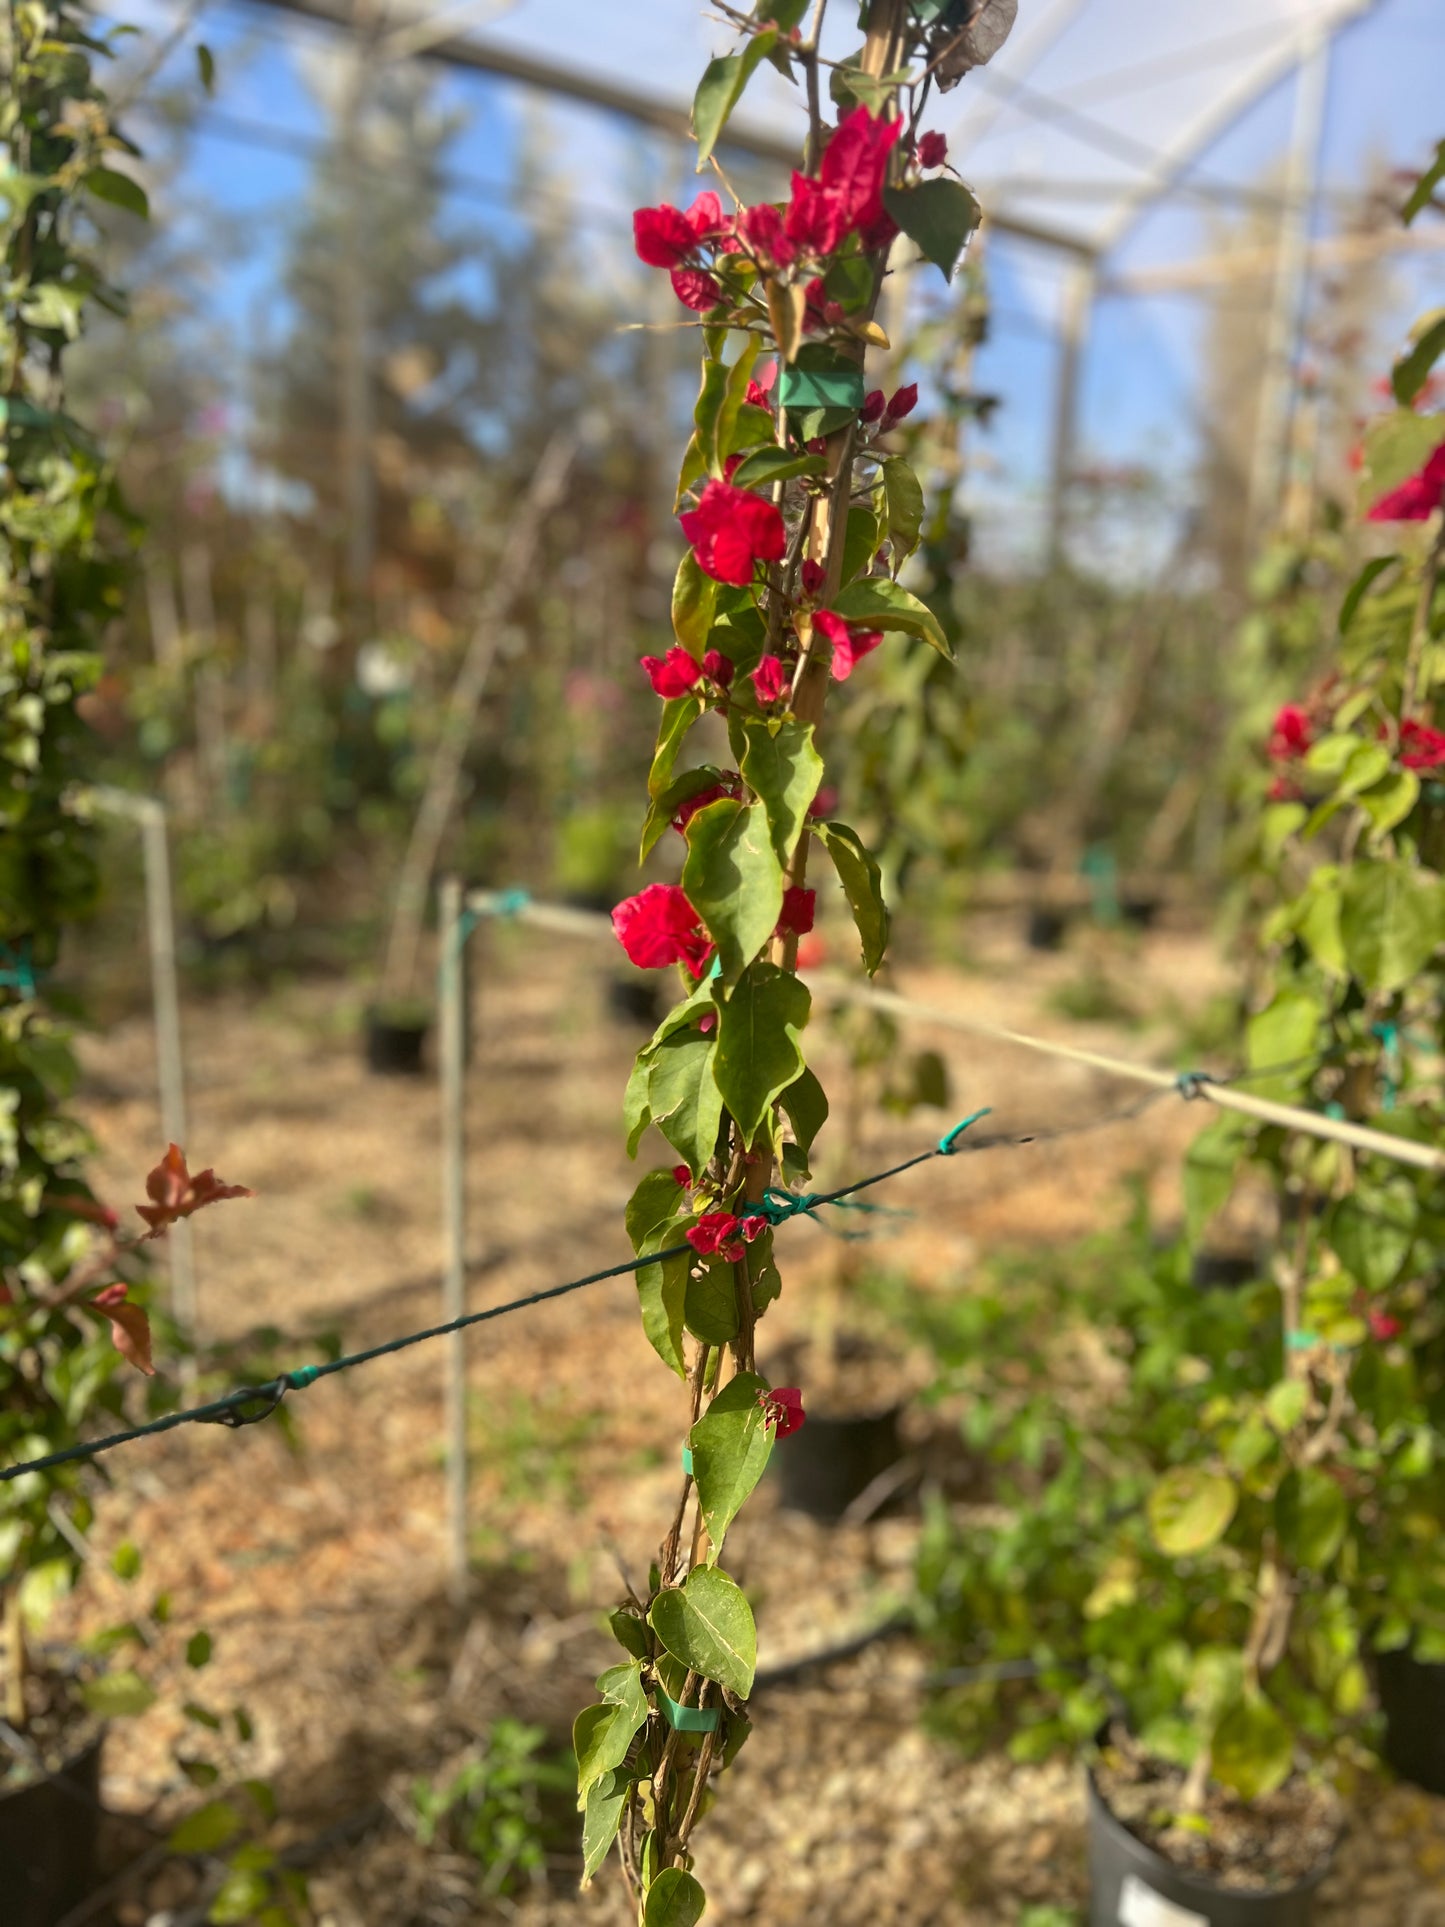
[15, 1659]
[1420, 629]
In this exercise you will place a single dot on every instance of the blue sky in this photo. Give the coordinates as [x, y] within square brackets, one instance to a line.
[1139, 401]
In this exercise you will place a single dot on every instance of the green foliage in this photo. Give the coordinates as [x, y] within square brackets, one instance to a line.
[65, 541]
[503, 1807]
[707, 1624]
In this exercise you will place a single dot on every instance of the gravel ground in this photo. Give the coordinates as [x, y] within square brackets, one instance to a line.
[320, 1568]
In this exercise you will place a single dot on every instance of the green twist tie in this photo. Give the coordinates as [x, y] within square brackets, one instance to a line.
[687, 1460]
[303, 1376]
[511, 903]
[1389, 1036]
[687, 1719]
[19, 970]
[948, 1144]
[1301, 1341]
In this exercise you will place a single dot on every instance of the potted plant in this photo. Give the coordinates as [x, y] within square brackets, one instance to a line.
[1349, 997]
[1162, 1579]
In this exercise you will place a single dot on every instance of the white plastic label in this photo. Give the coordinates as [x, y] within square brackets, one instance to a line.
[1140, 1906]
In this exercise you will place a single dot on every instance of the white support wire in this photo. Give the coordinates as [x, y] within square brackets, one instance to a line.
[149, 813]
[1360, 1137]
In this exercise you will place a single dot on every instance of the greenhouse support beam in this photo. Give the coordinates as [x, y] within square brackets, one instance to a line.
[646, 110]
[1176, 160]
[1275, 407]
[1206, 271]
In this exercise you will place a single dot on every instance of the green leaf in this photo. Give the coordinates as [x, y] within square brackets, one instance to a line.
[806, 1105]
[721, 88]
[673, 1900]
[206, 66]
[1371, 1231]
[1284, 1404]
[662, 1296]
[708, 1625]
[601, 1735]
[757, 1047]
[767, 465]
[729, 431]
[663, 808]
[730, 1445]
[1285, 1033]
[1189, 1509]
[711, 1302]
[117, 1696]
[694, 602]
[198, 1650]
[1361, 587]
[1389, 802]
[679, 713]
[862, 883]
[938, 216]
[602, 1812]
[1423, 191]
[629, 1632]
[207, 1829]
[125, 1561]
[243, 1892]
[1252, 1749]
[635, 1115]
[1392, 920]
[1310, 1516]
[903, 493]
[684, 1101]
[734, 880]
[707, 409]
[651, 1208]
[120, 190]
[783, 770]
[1412, 371]
[1210, 1167]
[881, 604]
[1396, 446]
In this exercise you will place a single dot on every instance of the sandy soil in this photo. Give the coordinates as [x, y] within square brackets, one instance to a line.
[319, 1565]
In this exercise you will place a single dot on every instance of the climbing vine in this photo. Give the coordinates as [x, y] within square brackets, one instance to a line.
[65, 542]
[799, 512]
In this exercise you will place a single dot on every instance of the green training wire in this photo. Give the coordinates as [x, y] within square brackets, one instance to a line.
[251, 1403]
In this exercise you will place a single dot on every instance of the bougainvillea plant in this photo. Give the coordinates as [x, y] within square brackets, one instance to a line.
[798, 514]
[1331, 1480]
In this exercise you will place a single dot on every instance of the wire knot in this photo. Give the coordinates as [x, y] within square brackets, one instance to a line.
[235, 1412]
[948, 1143]
[1190, 1084]
[778, 1206]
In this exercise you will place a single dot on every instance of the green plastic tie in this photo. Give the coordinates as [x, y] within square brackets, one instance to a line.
[687, 1719]
[806, 388]
[511, 903]
[687, 1460]
[1389, 1036]
[948, 1143]
[303, 1376]
[1190, 1084]
[18, 972]
[1301, 1341]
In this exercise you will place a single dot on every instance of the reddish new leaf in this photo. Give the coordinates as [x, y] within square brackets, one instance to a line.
[175, 1193]
[130, 1329]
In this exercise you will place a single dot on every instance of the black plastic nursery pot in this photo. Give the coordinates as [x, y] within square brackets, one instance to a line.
[395, 1043]
[1130, 1885]
[1412, 1698]
[1046, 927]
[49, 1831]
[831, 1462]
